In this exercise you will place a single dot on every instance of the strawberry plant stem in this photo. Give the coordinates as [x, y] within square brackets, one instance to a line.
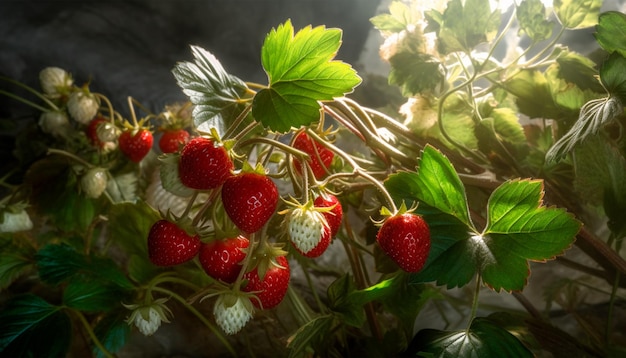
[91, 333]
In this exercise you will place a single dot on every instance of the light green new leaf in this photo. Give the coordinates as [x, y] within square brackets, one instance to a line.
[520, 228]
[436, 184]
[577, 14]
[400, 16]
[215, 93]
[301, 73]
[484, 338]
[463, 25]
[531, 15]
[611, 32]
[416, 73]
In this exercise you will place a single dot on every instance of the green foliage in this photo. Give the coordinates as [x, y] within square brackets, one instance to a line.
[484, 338]
[415, 72]
[611, 32]
[301, 72]
[531, 15]
[215, 93]
[519, 228]
[577, 14]
[33, 327]
[399, 18]
[464, 25]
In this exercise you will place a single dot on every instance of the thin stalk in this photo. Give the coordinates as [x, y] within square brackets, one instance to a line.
[31, 90]
[235, 124]
[91, 333]
[27, 102]
[200, 316]
[474, 301]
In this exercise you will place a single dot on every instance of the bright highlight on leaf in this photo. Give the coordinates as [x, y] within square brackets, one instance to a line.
[301, 72]
[519, 227]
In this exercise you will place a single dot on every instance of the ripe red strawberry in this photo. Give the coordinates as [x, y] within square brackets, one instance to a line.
[249, 199]
[334, 216]
[221, 259]
[272, 288]
[169, 245]
[136, 143]
[320, 156]
[172, 140]
[203, 165]
[405, 238]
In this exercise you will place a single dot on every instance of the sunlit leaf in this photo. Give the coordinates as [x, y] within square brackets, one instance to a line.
[577, 14]
[465, 24]
[519, 228]
[301, 72]
[415, 73]
[611, 32]
[215, 93]
[483, 339]
[33, 327]
[437, 184]
[400, 16]
[531, 15]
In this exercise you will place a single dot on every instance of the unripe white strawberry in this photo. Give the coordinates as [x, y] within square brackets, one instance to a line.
[15, 218]
[55, 81]
[148, 317]
[107, 132]
[232, 312]
[94, 182]
[54, 123]
[82, 106]
[305, 226]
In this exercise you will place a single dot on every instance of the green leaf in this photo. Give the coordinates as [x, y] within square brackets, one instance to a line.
[92, 296]
[520, 228]
[483, 339]
[60, 262]
[613, 76]
[465, 24]
[340, 301]
[311, 335]
[216, 95]
[400, 16]
[33, 327]
[601, 180]
[577, 14]
[436, 184]
[533, 95]
[611, 32]
[415, 73]
[129, 224]
[531, 15]
[113, 332]
[13, 263]
[301, 73]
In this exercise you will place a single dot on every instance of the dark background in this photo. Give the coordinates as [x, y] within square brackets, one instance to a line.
[128, 48]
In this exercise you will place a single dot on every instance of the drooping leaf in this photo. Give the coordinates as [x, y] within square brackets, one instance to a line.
[341, 302]
[14, 261]
[310, 336]
[531, 15]
[611, 32]
[129, 224]
[92, 295]
[579, 70]
[215, 93]
[532, 93]
[400, 16]
[33, 327]
[436, 184]
[60, 262]
[601, 180]
[464, 25]
[113, 332]
[519, 228]
[415, 73]
[577, 14]
[613, 76]
[301, 72]
[483, 339]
